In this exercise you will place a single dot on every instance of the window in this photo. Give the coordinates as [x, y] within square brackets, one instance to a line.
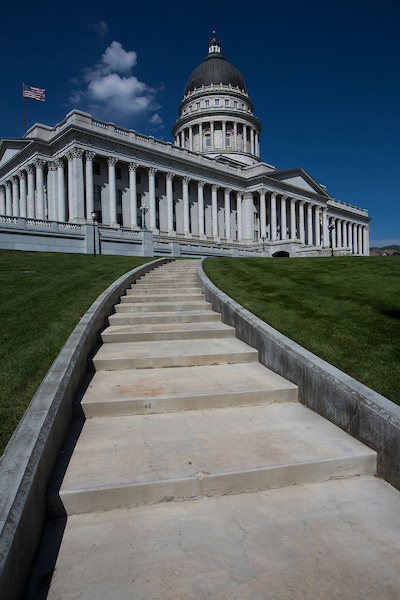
[256, 236]
[226, 102]
[197, 105]
[228, 140]
[207, 103]
[235, 103]
[96, 168]
[216, 101]
[255, 218]
[118, 173]
[208, 140]
[190, 108]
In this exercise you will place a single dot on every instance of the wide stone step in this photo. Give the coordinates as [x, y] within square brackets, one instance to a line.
[162, 306]
[199, 316]
[148, 291]
[323, 541]
[170, 284]
[172, 353]
[170, 331]
[133, 460]
[146, 391]
[132, 298]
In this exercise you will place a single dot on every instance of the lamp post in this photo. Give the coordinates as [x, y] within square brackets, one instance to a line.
[93, 214]
[331, 227]
[263, 240]
[143, 210]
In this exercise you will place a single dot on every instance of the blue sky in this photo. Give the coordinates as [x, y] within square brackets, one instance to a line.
[323, 76]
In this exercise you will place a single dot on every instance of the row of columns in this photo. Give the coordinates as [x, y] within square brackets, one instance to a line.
[252, 146]
[289, 218]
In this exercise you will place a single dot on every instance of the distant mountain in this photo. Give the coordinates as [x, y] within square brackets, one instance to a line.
[374, 251]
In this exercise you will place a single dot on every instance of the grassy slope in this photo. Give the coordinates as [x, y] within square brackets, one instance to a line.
[344, 309]
[42, 298]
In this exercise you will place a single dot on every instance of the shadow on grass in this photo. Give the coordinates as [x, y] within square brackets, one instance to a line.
[393, 314]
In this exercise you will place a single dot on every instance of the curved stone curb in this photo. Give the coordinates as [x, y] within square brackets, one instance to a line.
[363, 413]
[31, 454]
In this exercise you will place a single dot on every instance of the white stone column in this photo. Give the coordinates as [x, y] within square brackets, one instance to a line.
[258, 144]
[170, 205]
[133, 195]
[273, 216]
[360, 240]
[9, 210]
[293, 219]
[61, 204]
[214, 208]
[152, 198]
[200, 206]
[212, 134]
[317, 226]
[344, 239]
[31, 192]
[252, 149]
[112, 191]
[339, 233]
[301, 222]
[191, 138]
[239, 216]
[245, 138]
[325, 231]
[248, 217]
[366, 240]
[185, 196]
[309, 225]
[15, 196]
[76, 186]
[333, 233]
[283, 218]
[227, 198]
[2, 200]
[224, 135]
[89, 156]
[350, 236]
[51, 191]
[200, 137]
[39, 164]
[235, 144]
[355, 239]
[22, 194]
[70, 185]
[263, 213]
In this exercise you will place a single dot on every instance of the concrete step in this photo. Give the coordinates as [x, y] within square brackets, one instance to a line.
[173, 297]
[146, 391]
[162, 306]
[174, 331]
[194, 316]
[338, 539]
[172, 353]
[132, 460]
[148, 291]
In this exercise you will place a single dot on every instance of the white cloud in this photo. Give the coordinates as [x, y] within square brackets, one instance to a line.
[101, 28]
[113, 91]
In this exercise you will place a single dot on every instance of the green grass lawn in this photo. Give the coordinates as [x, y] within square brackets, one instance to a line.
[42, 298]
[344, 309]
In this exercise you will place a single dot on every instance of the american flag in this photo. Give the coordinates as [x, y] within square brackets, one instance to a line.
[30, 91]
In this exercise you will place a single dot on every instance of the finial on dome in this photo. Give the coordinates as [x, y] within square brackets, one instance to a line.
[214, 45]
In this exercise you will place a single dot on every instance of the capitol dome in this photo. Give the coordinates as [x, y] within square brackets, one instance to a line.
[215, 70]
[216, 114]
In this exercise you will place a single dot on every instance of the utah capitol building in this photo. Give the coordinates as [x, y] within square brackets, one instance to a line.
[85, 182]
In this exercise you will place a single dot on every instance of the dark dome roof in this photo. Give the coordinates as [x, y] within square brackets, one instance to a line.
[215, 70]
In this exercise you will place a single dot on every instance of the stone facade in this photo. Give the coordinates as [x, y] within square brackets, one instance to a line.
[209, 187]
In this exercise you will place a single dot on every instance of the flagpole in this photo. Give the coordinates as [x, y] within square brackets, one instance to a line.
[23, 99]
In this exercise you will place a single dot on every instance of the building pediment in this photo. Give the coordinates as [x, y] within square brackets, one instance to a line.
[299, 178]
[10, 147]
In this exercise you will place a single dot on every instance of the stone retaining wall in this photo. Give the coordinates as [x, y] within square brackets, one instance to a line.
[363, 413]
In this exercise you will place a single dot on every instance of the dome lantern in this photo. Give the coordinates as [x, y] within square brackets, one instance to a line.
[214, 45]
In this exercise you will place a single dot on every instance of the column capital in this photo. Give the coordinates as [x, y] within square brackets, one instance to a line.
[39, 163]
[30, 169]
[89, 154]
[215, 187]
[8, 185]
[201, 184]
[76, 152]
[325, 210]
[274, 194]
[262, 191]
[284, 197]
[187, 180]
[302, 202]
[152, 171]
[52, 166]
[133, 166]
[169, 176]
[22, 175]
[59, 163]
[15, 179]
[228, 190]
[112, 161]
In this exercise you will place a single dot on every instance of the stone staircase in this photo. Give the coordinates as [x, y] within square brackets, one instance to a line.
[198, 474]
